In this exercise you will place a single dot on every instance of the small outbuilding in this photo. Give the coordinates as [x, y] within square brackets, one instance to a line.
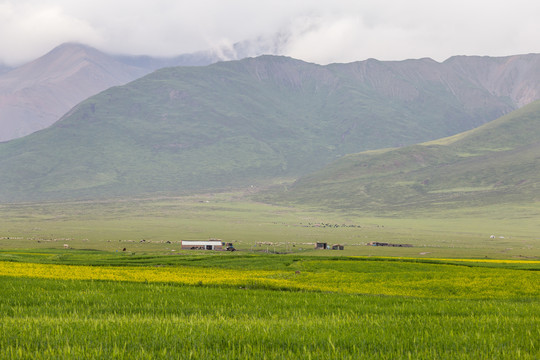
[321, 245]
[211, 244]
[338, 247]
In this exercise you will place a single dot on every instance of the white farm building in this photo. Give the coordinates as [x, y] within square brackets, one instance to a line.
[211, 244]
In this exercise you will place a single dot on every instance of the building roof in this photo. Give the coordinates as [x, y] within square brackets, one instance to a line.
[201, 242]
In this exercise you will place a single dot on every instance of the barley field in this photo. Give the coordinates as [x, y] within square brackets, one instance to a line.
[266, 307]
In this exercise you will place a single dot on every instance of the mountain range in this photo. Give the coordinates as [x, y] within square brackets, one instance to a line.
[248, 122]
[35, 95]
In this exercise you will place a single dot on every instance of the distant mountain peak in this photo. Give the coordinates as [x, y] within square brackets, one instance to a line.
[35, 95]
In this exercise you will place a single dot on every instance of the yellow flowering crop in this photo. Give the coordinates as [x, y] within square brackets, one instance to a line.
[184, 275]
[365, 277]
[489, 261]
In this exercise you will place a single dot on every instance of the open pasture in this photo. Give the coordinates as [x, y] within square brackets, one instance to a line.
[510, 232]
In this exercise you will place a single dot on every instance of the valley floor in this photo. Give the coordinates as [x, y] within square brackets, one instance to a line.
[158, 226]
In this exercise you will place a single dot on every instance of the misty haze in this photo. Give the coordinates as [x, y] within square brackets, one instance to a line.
[270, 180]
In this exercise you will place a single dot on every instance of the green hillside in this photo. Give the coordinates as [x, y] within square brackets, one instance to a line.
[496, 163]
[237, 124]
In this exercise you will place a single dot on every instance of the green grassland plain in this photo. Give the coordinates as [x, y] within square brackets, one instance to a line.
[508, 232]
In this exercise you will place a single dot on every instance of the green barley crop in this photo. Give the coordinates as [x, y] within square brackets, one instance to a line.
[96, 319]
[81, 319]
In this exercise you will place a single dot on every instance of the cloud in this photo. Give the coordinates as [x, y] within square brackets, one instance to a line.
[344, 39]
[29, 30]
[321, 31]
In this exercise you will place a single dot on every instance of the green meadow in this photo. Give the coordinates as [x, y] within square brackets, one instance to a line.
[508, 232]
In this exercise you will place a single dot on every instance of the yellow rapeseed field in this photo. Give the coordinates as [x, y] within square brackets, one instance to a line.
[184, 275]
[363, 277]
[487, 261]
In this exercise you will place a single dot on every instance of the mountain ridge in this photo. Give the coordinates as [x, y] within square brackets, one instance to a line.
[240, 123]
[496, 78]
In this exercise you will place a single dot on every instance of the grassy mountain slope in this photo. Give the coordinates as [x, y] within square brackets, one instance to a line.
[35, 95]
[238, 123]
[496, 163]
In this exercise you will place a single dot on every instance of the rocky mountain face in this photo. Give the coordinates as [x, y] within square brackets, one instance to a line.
[515, 77]
[471, 79]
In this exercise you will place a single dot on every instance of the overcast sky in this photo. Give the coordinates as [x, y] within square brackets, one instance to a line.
[321, 31]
